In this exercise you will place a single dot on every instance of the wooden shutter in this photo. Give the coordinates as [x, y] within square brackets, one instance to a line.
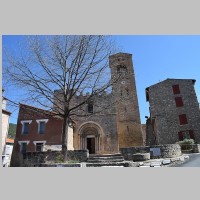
[191, 134]
[179, 101]
[176, 89]
[183, 119]
[180, 135]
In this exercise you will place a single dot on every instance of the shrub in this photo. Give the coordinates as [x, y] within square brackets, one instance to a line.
[186, 144]
[59, 158]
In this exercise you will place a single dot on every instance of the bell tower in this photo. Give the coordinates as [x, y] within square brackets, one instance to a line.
[126, 101]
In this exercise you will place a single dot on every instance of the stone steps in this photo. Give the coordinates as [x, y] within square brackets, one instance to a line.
[105, 160]
[113, 164]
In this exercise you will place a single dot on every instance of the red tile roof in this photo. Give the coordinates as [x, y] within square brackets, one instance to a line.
[9, 140]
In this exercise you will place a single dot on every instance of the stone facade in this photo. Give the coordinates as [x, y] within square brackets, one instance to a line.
[116, 122]
[174, 112]
[127, 108]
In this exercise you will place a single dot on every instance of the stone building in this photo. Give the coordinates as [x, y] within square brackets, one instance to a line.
[116, 120]
[174, 112]
[101, 131]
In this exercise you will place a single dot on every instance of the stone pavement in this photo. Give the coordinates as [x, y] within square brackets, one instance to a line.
[164, 162]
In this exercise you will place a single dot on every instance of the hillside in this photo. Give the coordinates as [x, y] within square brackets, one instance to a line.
[12, 130]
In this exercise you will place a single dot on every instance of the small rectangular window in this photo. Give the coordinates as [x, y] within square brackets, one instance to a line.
[39, 147]
[186, 135]
[180, 135]
[41, 127]
[176, 89]
[183, 119]
[90, 108]
[23, 147]
[191, 134]
[25, 128]
[179, 101]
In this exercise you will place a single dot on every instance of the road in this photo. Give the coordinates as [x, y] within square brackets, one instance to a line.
[194, 161]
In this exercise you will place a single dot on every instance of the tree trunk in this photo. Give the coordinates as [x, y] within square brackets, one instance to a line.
[64, 138]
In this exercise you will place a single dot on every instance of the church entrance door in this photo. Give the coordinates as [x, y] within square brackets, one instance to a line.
[91, 145]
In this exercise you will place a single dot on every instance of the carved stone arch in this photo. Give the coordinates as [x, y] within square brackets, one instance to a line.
[87, 130]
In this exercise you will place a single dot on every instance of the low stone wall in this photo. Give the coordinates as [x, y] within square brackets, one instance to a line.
[128, 152]
[52, 157]
[196, 148]
[168, 150]
[161, 151]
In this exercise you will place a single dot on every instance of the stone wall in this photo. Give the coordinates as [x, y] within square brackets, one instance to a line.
[31, 159]
[196, 148]
[169, 150]
[164, 111]
[166, 151]
[128, 152]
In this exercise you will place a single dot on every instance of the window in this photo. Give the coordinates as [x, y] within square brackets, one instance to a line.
[23, 147]
[183, 119]
[90, 107]
[39, 147]
[180, 135]
[41, 125]
[186, 135]
[179, 101]
[176, 89]
[25, 126]
[122, 69]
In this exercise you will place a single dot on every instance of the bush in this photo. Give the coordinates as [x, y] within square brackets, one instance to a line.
[186, 144]
[59, 158]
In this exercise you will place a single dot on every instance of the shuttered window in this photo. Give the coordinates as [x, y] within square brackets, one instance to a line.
[179, 101]
[189, 134]
[176, 89]
[180, 135]
[183, 119]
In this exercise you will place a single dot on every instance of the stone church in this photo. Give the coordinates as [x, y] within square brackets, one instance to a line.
[105, 132]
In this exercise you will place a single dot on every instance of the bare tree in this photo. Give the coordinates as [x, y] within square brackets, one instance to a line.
[70, 64]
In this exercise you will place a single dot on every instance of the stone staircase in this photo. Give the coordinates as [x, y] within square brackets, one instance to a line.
[105, 160]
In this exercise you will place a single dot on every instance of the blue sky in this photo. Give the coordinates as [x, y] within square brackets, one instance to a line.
[155, 58]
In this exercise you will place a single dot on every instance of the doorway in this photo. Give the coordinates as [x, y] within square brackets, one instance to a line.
[91, 145]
